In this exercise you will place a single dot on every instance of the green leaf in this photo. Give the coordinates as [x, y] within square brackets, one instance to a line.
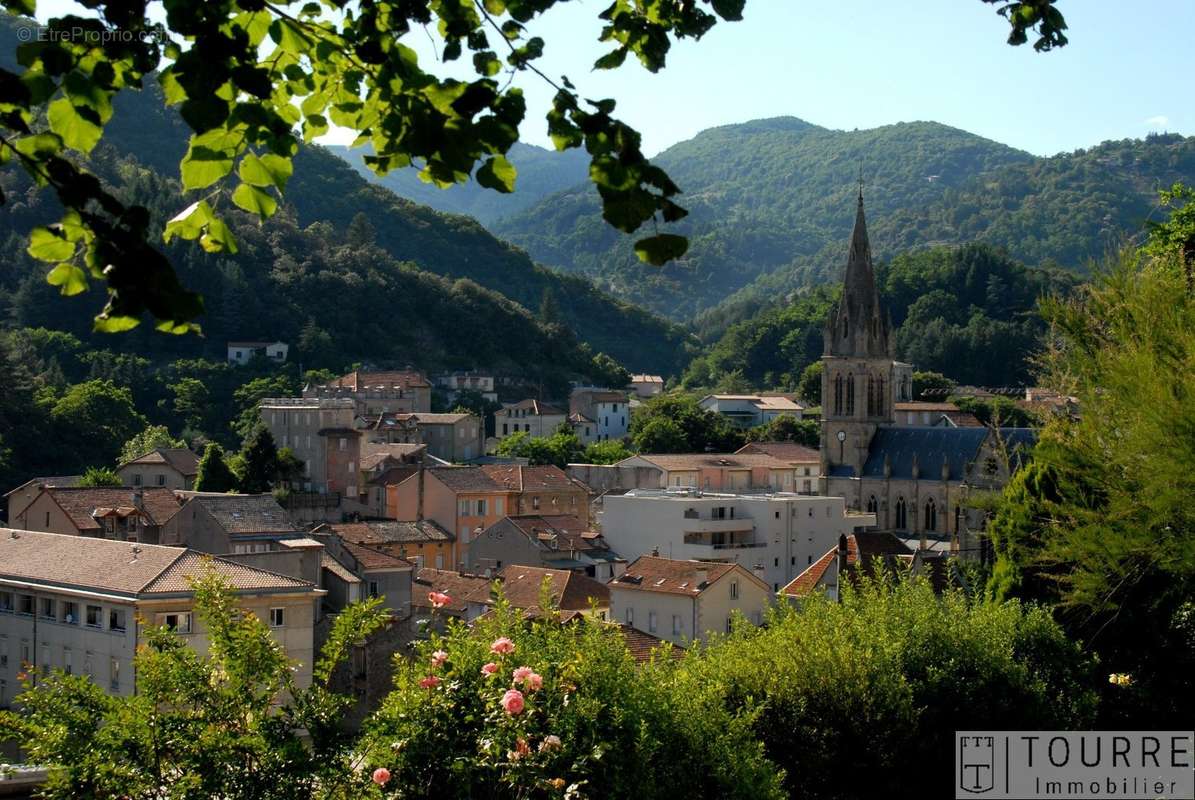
[171, 88]
[118, 323]
[70, 279]
[203, 166]
[189, 222]
[729, 10]
[497, 173]
[39, 146]
[658, 250]
[613, 59]
[49, 245]
[255, 200]
[219, 238]
[268, 170]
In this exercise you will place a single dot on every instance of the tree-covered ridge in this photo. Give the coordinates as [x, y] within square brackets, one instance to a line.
[967, 312]
[769, 207]
[542, 172]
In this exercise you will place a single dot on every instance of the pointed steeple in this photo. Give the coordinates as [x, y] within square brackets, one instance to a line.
[858, 326]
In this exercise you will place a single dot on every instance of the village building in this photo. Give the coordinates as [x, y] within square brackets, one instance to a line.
[805, 461]
[18, 499]
[454, 383]
[683, 601]
[750, 410]
[454, 583]
[533, 417]
[244, 352]
[121, 513]
[378, 392]
[610, 410]
[81, 605]
[223, 524]
[645, 386]
[421, 543]
[320, 432]
[523, 586]
[551, 541]
[926, 414]
[728, 472]
[866, 554]
[172, 467]
[451, 437]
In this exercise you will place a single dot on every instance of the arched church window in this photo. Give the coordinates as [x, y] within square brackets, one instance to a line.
[873, 505]
[837, 394]
[958, 519]
[931, 515]
[850, 393]
[881, 405]
[902, 514]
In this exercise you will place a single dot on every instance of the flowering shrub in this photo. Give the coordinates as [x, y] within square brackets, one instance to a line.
[537, 708]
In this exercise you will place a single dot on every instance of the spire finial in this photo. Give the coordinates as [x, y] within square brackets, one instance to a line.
[860, 180]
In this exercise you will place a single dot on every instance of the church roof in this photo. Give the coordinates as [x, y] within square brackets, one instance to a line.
[899, 447]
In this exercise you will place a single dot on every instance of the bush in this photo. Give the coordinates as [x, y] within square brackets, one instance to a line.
[599, 726]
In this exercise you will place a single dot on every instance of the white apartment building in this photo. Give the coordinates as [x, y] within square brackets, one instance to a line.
[775, 536]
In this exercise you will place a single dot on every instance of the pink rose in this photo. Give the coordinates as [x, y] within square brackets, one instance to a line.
[438, 658]
[535, 682]
[430, 682]
[489, 669]
[502, 646]
[522, 674]
[522, 749]
[381, 775]
[550, 742]
[512, 702]
[438, 599]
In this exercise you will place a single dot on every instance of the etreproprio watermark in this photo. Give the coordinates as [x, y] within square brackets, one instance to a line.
[1074, 764]
[82, 35]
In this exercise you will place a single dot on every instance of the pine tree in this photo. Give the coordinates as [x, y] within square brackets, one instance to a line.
[213, 474]
[261, 461]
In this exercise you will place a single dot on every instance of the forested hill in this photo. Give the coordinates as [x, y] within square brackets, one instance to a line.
[393, 305]
[771, 206]
[542, 172]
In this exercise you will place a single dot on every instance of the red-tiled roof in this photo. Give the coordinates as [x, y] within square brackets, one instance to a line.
[158, 504]
[872, 545]
[521, 587]
[673, 462]
[457, 585]
[536, 407]
[556, 531]
[643, 646]
[654, 574]
[397, 379]
[790, 452]
[181, 459]
[373, 558]
[519, 478]
[375, 532]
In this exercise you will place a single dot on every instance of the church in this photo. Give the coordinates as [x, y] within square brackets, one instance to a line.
[917, 480]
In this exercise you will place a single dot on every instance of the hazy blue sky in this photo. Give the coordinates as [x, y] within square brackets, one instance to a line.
[863, 63]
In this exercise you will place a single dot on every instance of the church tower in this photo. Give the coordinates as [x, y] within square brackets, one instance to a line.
[857, 379]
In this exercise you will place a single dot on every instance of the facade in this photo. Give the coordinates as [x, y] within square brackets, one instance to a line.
[775, 536]
[453, 383]
[805, 461]
[863, 554]
[452, 437]
[544, 489]
[530, 416]
[121, 513]
[172, 467]
[645, 386]
[553, 542]
[421, 543]
[462, 500]
[320, 432]
[682, 601]
[915, 479]
[378, 392]
[378, 574]
[749, 410]
[81, 605]
[584, 428]
[726, 472]
[224, 524]
[609, 410]
[243, 352]
[18, 499]
[571, 592]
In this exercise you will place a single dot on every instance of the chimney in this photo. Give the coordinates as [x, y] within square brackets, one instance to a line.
[700, 577]
[758, 571]
[139, 498]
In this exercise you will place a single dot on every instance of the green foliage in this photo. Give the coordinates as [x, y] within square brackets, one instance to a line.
[997, 411]
[887, 676]
[931, 386]
[787, 428]
[607, 452]
[214, 474]
[1103, 524]
[261, 466]
[609, 373]
[809, 386]
[1175, 238]
[100, 476]
[224, 724]
[619, 730]
[96, 419]
[561, 448]
[150, 439]
[675, 423]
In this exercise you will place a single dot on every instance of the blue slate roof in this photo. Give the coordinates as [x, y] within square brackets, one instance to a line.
[958, 446]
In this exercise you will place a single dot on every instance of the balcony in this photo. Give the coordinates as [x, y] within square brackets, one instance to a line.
[737, 539]
[718, 525]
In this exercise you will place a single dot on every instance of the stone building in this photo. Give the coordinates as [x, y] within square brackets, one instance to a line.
[916, 479]
[171, 467]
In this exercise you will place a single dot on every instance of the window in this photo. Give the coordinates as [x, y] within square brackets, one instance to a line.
[481, 508]
[850, 394]
[777, 515]
[114, 674]
[116, 619]
[161, 480]
[902, 514]
[3, 651]
[729, 623]
[177, 621]
[734, 590]
[93, 616]
[775, 562]
[499, 504]
[373, 588]
[873, 505]
[676, 625]
[809, 560]
[931, 515]
[25, 657]
[462, 508]
[535, 502]
[6, 602]
[25, 604]
[276, 618]
[136, 480]
[439, 561]
[651, 622]
[47, 520]
[504, 432]
[87, 664]
[344, 443]
[46, 608]
[44, 662]
[630, 616]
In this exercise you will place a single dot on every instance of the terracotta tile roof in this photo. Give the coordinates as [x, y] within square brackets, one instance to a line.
[394, 475]
[654, 574]
[158, 504]
[603, 396]
[643, 646]
[378, 531]
[872, 545]
[181, 459]
[430, 418]
[120, 567]
[457, 585]
[466, 479]
[923, 406]
[63, 481]
[245, 513]
[646, 379]
[536, 407]
[519, 478]
[369, 558]
[771, 402]
[695, 461]
[556, 532]
[577, 418]
[359, 380]
[520, 585]
[329, 563]
[789, 452]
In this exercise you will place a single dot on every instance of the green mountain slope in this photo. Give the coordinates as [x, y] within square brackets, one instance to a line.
[771, 208]
[542, 172]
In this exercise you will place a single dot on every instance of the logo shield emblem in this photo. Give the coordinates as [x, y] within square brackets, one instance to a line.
[977, 764]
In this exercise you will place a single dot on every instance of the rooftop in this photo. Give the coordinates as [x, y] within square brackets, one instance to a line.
[682, 462]
[359, 380]
[386, 531]
[654, 574]
[867, 546]
[83, 505]
[245, 513]
[790, 452]
[181, 459]
[556, 532]
[521, 587]
[457, 585]
[520, 478]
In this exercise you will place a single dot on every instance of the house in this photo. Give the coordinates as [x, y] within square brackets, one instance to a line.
[552, 541]
[645, 386]
[733, 472]
[18, 499]
[82, 605]
[373, 572]
[122, 513]
[421, 543]
[523, 586]
[454, 383]
[462, 500]
[805, 461]
[244, 352]
[320, 432]
[682, 601]
[379, 391]
[932, 414]
[583, 427]
[540, 489]
[749, 410]
[864, 553]
[533, 417]
[172, 467]
[457, 585]
[610, 410]
[451, 437]
[231, 523]
[776, 536]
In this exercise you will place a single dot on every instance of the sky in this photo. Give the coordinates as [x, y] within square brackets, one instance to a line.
[850, 64]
